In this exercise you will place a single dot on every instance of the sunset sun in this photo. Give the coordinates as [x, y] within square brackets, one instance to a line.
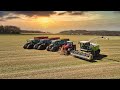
[45, 22]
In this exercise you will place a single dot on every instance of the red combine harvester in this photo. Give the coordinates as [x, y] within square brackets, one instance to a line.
[67, 48]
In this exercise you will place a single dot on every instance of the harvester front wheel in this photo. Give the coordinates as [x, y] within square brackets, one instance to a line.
[53, 49]
[90, 57]
[41, 47]
[47, 48]
[97, 52]
[30, 46]
[25, 46]
[35, 46]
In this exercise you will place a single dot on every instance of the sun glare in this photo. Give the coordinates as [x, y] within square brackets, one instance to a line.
[45, 22]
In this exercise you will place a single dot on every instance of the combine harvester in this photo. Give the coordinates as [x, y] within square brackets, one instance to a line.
[56, 44]
[67, 48]
[44, 43]
[31, 42]
[88, 50]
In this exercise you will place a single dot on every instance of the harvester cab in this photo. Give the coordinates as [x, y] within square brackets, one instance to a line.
[87, 46]
[84, 45]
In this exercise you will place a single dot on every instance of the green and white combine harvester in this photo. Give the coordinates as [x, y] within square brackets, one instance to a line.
[88, 50]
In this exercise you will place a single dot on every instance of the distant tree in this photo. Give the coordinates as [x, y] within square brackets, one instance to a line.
[1, 29]
[9, 30]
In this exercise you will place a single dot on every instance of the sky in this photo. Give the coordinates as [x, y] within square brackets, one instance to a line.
[56, 21]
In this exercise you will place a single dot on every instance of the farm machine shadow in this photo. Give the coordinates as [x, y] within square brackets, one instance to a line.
[100, 57]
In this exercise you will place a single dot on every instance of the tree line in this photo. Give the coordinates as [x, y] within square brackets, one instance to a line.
[9, 30]
[85, 32]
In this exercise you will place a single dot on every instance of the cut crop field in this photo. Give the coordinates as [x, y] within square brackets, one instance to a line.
[19, 63]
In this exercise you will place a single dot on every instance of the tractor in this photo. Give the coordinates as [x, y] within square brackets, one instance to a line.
[67, 48]
[44, 43]
[31, 42]
[56, 44]
[88, 50]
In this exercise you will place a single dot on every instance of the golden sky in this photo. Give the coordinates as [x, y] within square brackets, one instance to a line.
[56, 21]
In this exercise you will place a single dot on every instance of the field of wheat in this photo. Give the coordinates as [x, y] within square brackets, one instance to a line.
[19, 63]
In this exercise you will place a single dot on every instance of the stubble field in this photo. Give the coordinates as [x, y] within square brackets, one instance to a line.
[19, 63]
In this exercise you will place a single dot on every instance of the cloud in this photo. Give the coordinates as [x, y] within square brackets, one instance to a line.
[72, 12]
[27, 13]
[35, 13]
[8, 18]
[76, 13]
[11, 18]
[62, 13]
[39, 13]
[1, 19]
[3, 13]
[6, 15]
